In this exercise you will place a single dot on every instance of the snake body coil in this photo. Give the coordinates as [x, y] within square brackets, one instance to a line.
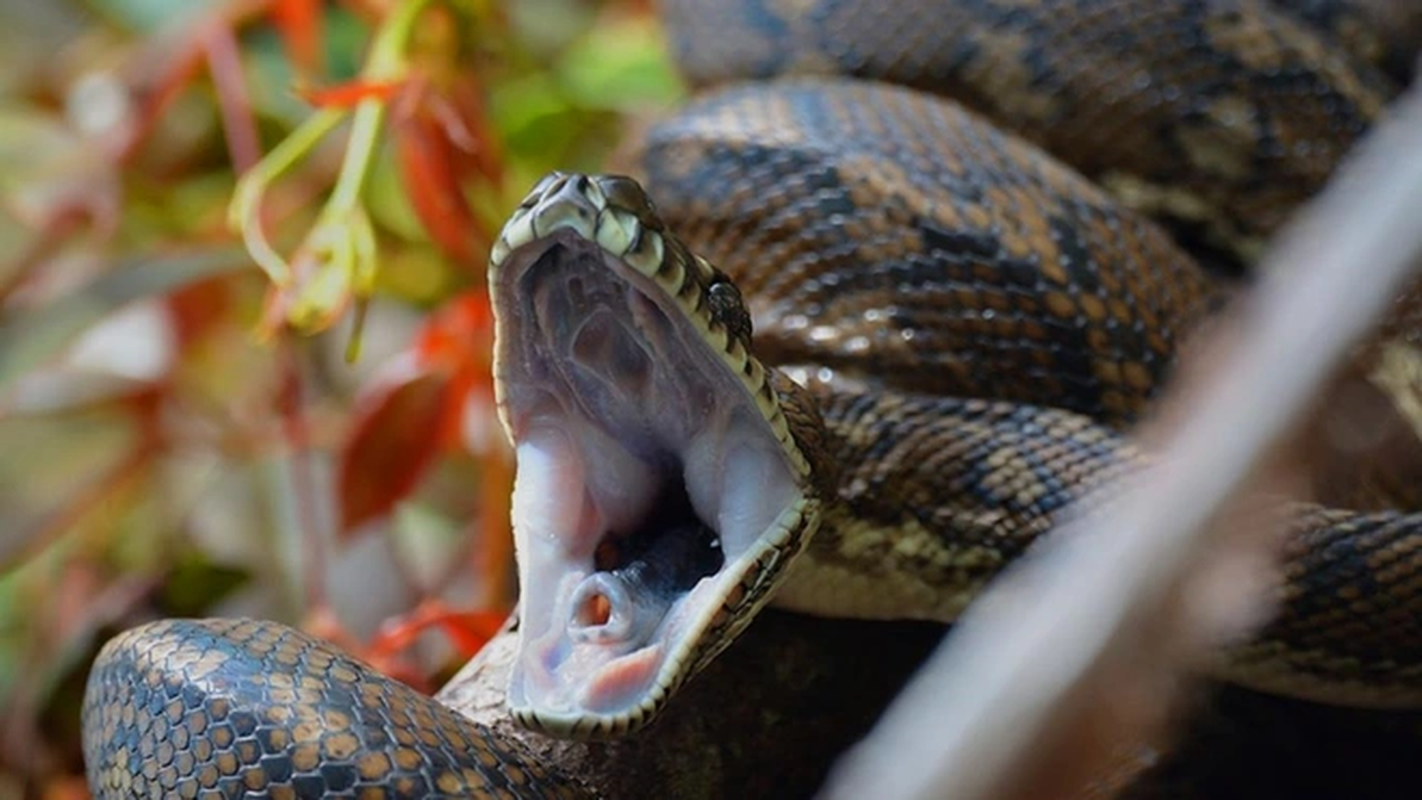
[874, 227]
[951, 328]
[228, 708]
[1218, 116]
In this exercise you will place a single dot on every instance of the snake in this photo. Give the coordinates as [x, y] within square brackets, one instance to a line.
[845, 345]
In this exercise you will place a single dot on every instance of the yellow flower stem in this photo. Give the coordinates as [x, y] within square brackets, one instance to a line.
[386, 63]
[245, 211]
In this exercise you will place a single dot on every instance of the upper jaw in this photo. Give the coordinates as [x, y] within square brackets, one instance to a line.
[610, 211]
[653, 496]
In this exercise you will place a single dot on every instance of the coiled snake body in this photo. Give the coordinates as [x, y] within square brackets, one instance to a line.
[959, 323]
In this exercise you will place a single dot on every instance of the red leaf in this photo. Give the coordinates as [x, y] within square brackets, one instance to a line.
[347, 95]
[402, 421]
[300, 24]
[413, 409]
[468, 631]
[432, 164]
[462, 112]
[454, 100]
[493, 552]
[460, 335]
[198, 308]
[322, 622]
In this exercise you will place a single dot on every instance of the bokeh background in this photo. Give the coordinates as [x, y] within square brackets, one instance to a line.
[180, 434]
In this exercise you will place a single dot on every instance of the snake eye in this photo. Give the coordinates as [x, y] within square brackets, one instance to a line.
[729, 308]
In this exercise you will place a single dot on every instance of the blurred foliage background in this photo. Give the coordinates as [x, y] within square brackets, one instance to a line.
[184, 433]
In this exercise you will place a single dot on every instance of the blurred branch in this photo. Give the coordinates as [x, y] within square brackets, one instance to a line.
[224, 62]
[54, 235]
[991, 714]
[168, 63]
[305, 492]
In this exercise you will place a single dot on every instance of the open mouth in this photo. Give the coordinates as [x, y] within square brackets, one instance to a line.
[651, 490]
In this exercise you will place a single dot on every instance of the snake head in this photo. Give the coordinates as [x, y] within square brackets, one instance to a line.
[660, 491]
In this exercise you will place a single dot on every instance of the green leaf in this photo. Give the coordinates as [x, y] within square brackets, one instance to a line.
[623, 66]
[196, 584]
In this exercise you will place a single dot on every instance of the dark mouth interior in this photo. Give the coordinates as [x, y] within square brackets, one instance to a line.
[614, 353]
[637, 576]
[668, 553]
